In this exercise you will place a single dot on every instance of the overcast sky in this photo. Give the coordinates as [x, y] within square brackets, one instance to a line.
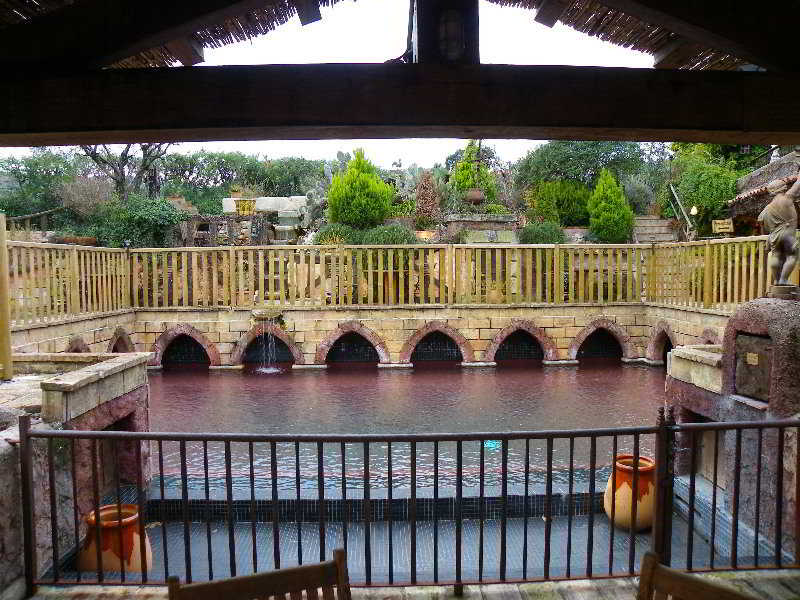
[373, 31]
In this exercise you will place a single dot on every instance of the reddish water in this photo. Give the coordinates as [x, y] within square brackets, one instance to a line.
[597, 394]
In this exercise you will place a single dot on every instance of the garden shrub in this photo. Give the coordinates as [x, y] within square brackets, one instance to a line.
[145, 222]
[359, 197]
[389, 234]
[571, 198]
[541, 208]
[427, 198]
[469, 173]
[496, 209]
[337, 233]
[704, 182]
[610, 215]
[546, 232]
[424, 222]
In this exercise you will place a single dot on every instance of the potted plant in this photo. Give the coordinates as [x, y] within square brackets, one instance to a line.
[619, 491]
[119, 540]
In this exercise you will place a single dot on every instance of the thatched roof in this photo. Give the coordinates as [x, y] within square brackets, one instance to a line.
[587, 16]
[752, 194]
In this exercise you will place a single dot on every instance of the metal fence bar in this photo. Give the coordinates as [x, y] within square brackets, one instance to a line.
[491, 514]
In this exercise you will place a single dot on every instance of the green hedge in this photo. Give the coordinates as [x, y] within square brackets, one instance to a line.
[611, 217]
[546, 232]
[359, 197]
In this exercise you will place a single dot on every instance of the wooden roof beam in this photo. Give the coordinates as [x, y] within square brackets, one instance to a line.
[97, 33]
[755, 34]
[391, 100]
[674, 53]
[308, 11]
[550, 11]
[187, 51]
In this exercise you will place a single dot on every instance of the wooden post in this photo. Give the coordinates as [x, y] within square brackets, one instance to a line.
[7, 371]
[708, 274]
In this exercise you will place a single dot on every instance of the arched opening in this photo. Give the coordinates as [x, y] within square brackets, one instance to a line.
[77, 346]
[519, 349]
[436, 349]
[600, 344]
[352, 350]
[184, 352]
[267, 351]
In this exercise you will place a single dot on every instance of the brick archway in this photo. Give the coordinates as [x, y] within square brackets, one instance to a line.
[539, 334]
[237, 356]
[166, 338]
[77, 345]
[121, 336]
[602, 323]
[351, 327]
[655, 346]
[710, 336]
[467, 354]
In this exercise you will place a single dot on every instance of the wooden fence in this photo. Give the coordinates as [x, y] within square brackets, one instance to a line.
[49, 282]
[6, 365]
[714, 274]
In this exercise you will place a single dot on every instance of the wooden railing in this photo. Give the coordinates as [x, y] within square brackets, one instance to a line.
[20, 227]
[387, 275]
[713, 274]
[48, 282]
[6, 365]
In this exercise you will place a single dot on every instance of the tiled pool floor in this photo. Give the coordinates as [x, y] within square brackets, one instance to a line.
[308, 540]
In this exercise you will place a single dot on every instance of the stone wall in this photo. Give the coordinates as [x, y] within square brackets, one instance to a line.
[640, 329]
[98, 333]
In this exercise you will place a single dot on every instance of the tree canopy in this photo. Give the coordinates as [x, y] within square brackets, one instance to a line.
[578, 161]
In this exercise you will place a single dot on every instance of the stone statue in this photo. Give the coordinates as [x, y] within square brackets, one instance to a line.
[779, 220]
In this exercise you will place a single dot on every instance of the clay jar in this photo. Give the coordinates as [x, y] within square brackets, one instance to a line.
[623, 494]
[113, 531]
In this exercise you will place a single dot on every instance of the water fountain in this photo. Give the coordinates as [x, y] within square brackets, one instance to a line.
[269, 353]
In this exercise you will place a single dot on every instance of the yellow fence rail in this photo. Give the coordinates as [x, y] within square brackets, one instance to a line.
[6, 365]
[713, 274]
[49, 282]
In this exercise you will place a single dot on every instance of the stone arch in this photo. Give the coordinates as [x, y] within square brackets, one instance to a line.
[351, 327]
[655, 346]
[602, 323]
[166, 338]
[539, 334]
[237, 356]
[467, 354]
[710, 336]
[77, 345]
[121, 337]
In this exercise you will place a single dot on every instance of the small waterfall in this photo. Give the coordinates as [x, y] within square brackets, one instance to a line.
[269, 354]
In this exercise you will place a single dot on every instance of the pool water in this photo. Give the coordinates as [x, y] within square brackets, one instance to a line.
[599, 393]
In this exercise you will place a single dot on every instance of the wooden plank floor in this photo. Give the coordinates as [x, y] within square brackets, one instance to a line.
[768, 585]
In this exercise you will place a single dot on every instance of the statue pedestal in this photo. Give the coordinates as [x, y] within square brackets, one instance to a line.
[785, 292]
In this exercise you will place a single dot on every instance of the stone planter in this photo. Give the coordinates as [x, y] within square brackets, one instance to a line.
[79, 240]
[113, 531]
[623, 494]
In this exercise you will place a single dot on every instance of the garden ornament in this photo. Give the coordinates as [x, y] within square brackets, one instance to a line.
[779, 220]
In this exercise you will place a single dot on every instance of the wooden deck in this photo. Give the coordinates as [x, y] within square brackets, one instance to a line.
[769, 585]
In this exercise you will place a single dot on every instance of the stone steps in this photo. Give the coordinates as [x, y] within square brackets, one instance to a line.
[649, 229]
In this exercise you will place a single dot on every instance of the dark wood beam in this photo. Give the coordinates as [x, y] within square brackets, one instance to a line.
[96, 33]
[759, 34]
[186, 50]
[675, 53]
[387, 101]
[550, 11]
[308, 11]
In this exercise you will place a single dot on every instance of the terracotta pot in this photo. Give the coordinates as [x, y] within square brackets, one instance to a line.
[623, 495]
[112, 531]
[475, 196]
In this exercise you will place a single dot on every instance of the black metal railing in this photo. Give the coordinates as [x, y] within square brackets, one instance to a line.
[449, 509]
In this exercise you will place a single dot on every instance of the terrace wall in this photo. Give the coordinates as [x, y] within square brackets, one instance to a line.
[639, 328]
